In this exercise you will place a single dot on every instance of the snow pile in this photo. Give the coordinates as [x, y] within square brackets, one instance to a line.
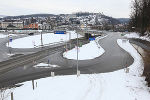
[136, 35]
[6, 35]
[35, 41]
[44, 65]
[132, 35]
[138, 62]
[117, 85]
[86, 52]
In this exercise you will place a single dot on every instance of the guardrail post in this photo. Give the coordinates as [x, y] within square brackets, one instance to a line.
[78, 73]
[33, 84]
[36, 84]
[12, 96]
[52, 74]
[127, 70]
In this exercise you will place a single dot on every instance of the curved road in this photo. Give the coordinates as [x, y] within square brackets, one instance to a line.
[113, 59]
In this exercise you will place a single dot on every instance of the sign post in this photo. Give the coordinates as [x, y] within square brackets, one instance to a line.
[91, 39]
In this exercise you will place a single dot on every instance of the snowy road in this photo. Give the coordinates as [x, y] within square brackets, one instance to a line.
[4, 51]
[114, 58]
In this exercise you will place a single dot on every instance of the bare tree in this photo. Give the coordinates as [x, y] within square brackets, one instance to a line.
[140, 16]
[5, 93]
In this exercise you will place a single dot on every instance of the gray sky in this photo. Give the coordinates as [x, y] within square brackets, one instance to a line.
[114, 8]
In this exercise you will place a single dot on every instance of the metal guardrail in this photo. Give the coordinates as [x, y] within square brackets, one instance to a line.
[13, 63]
[54, 43]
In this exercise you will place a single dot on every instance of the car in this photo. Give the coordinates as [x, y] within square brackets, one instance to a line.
[31, 34]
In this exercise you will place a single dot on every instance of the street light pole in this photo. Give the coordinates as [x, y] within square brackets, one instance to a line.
[77, 56]
[70, 39]
[8, 39]
[41, 40]
[9, 43]
[66, 43]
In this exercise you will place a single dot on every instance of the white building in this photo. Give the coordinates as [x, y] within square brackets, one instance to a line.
[45, 26]
[11, 24]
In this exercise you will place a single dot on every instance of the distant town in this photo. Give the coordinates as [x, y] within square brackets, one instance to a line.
[81, 20]
[75, 50]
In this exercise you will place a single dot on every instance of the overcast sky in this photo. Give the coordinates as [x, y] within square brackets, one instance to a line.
[114, 8]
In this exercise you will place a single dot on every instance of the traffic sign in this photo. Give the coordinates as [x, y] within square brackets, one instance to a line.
[60, 32]
[10, 40]
[91, 39]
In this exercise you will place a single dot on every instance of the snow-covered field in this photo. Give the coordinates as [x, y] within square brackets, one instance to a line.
[86, 52]
[136, 35]
[33, 41]
[117, 85]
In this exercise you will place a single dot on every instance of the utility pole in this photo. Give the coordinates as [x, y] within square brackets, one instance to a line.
[66, 42]
[8, 40]
[87, 31]
[9, 43]
[78, 72]
[70, 39]
[41, 40]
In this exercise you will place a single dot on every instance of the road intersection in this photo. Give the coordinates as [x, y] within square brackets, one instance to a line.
[113, 59]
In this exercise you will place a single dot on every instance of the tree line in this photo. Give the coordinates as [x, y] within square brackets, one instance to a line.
[140, 16]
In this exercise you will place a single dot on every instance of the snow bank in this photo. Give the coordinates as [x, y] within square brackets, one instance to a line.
[3, 36]
[138, 62]
[132, 35]
[116, 85]
[35, 40]
[136, 35]
[6, 35]
[44, 65]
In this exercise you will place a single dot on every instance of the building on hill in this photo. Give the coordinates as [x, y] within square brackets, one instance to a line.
[12, 24]
[45, 26]
[31, 26]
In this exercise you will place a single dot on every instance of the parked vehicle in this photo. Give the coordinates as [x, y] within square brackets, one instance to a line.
[31, 34]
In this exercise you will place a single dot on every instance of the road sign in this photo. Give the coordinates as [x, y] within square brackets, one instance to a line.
[91, 39]
[60, 32]
[10, 40]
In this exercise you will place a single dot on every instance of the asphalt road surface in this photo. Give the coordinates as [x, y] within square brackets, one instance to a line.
[113, 59]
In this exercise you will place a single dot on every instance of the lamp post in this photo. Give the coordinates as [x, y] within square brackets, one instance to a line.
[78, 72]
[41, 40]
[8, 39]
[70, 39]
[9, 43]
[66, 43]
